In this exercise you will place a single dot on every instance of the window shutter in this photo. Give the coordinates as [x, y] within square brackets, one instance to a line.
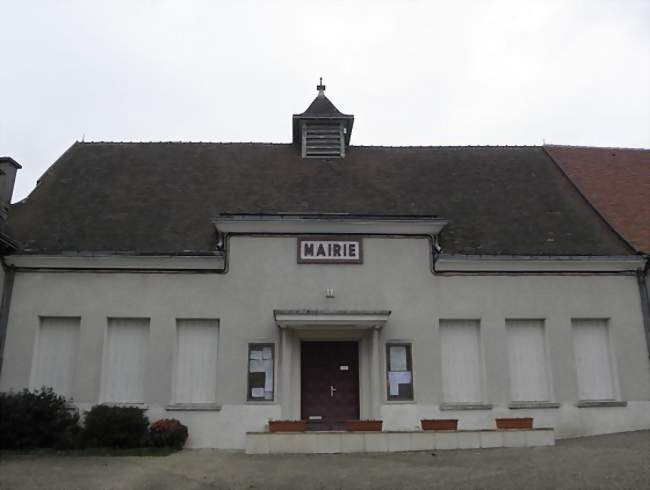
[323, 140]
[593, 364]
[527, 360]
[196, 361]
[56, 354]
[126, 359]
[461, 361]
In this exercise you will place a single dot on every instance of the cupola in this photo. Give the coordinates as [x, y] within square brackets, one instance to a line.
[322, 131]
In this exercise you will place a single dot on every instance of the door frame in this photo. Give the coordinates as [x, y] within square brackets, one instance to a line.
[290, 339]
[365, 326]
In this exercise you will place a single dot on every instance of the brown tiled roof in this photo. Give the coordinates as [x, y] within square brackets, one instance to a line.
[162, 197]
[616, 181]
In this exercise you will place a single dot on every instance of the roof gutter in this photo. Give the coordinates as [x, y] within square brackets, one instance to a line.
[525, 264]
[643, 277]
[5, 304]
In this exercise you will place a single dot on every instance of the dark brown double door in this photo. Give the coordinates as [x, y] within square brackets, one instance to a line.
[329, 384]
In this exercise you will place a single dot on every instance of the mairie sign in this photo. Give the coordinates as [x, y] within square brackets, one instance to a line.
[330, 250]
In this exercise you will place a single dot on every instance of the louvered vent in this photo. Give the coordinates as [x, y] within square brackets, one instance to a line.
[323, 140]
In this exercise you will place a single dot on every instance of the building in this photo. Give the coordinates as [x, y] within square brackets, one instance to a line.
[233, 283]
[8, 169]
[616, 181]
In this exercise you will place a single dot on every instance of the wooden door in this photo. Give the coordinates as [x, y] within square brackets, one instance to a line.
[329, 384]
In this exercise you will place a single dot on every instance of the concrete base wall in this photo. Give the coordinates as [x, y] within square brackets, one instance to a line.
[382, 442]
[567, 420]
[227, 427]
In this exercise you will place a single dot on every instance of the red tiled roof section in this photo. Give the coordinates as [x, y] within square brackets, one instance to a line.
[617, 183]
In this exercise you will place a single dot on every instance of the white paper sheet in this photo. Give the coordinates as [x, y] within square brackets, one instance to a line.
[268, 380]
[256, 366]
[396, 378]
[398, 358]
[257, 392]
[267, 353]
[256, 354]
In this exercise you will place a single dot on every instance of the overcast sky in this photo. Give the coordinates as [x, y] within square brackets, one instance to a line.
[412, 73]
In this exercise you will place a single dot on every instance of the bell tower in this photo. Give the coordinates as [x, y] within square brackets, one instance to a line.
[322, 131]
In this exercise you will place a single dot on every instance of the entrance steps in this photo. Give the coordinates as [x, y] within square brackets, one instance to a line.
[383, 442]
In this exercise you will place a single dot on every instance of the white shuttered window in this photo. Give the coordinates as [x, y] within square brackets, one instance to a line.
[461, 360]
[56, 354]
[126, 353]
[196, 361]
[593, 359]
[527, 359]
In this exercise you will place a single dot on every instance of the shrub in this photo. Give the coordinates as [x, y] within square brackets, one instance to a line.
[119, 427]
[167, 433]
[36, 419]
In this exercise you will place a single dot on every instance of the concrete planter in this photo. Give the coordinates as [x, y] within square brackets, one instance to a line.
[363, 425]
[439, 424]
[515, 423]
[287, 425]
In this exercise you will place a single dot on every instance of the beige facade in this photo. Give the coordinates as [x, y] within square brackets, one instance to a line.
[263, 276]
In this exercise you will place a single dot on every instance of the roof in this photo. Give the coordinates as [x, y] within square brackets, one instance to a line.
[11, 161]
[159, 198]
[616, 181]
[7, 244]
[322, 107]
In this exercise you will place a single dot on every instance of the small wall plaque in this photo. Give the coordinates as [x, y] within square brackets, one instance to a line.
[330, 250]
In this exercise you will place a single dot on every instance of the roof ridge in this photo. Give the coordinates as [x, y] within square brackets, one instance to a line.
[277, 143]
[598, 147]
[446, 146]
[178, 142]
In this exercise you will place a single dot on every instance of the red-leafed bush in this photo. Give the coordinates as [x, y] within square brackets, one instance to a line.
[167, 433]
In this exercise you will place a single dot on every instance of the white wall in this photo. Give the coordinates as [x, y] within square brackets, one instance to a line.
[395, 275]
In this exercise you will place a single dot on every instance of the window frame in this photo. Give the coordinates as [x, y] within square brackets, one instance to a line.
[409, 368]
[259, 346]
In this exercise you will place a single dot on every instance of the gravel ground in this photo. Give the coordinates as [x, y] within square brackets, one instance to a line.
[610, 461]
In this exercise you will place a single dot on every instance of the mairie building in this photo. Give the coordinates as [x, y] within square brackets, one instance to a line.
[231, 284]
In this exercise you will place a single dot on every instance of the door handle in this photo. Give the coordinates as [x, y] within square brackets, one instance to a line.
[332, 390]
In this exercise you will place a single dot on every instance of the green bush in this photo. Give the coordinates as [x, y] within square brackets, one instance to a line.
[167, 433]
[37, 419]
[119, 427]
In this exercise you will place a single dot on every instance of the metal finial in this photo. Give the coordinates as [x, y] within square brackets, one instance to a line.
[321, 88]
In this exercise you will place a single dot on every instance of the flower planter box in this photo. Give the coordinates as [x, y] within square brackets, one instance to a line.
[439, 424]
[518, 423]
[287, 425]
[363, 425]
